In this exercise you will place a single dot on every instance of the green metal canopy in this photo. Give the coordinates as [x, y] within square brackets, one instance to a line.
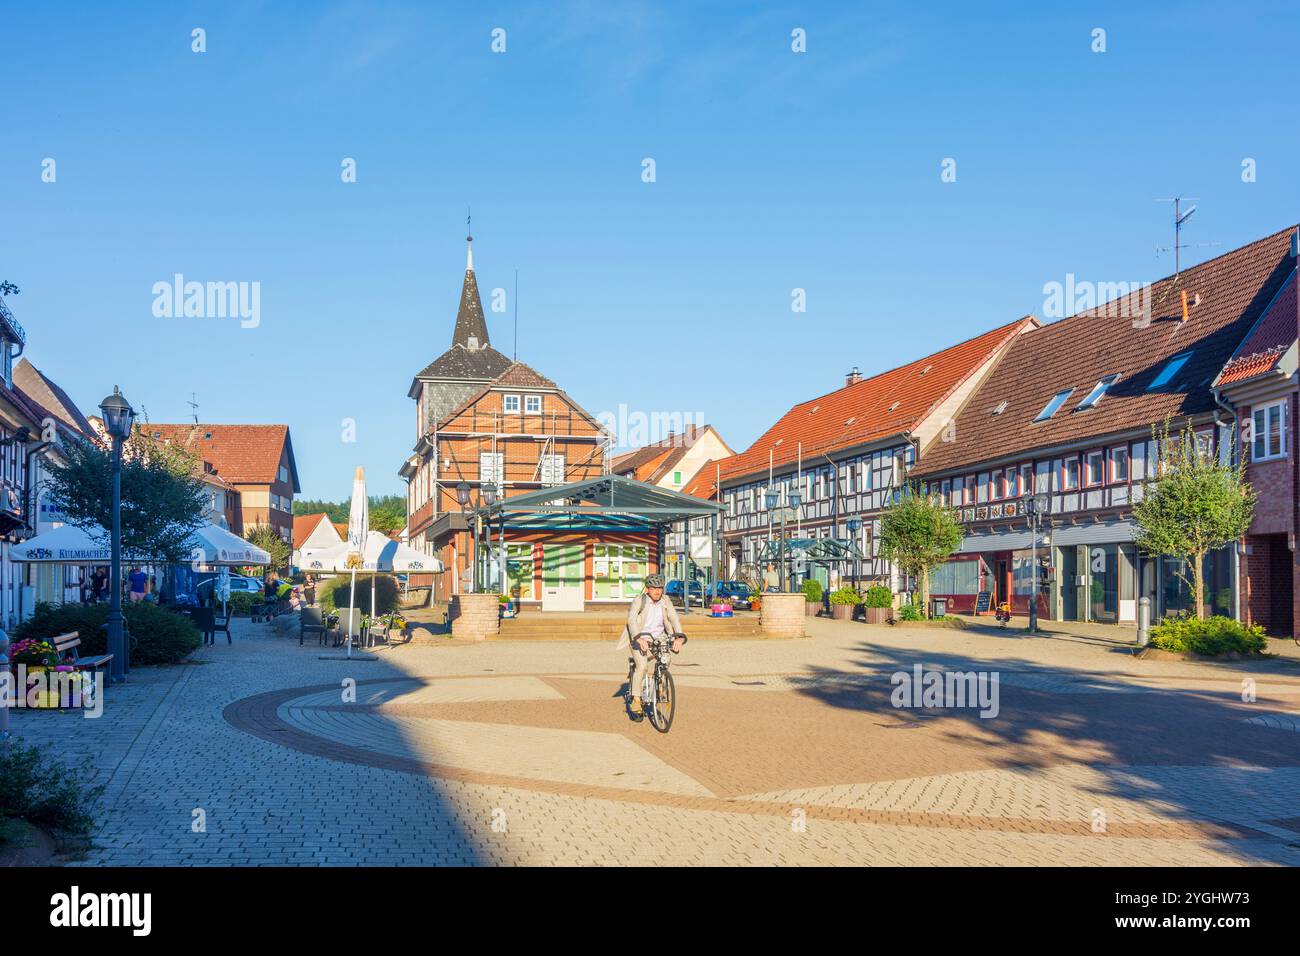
[607, 503]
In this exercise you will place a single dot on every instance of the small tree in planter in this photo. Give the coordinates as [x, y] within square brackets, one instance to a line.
[812, 595]
[879, 601]
[843, 601]
[918, 533]
[1196, 506]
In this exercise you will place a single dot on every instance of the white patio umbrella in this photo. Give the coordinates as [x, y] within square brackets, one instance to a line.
[379, 555]
[358, 528]
[68, 545]
[218, 547]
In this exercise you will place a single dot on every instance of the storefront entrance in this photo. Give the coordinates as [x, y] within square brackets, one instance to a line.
[1069, 584]
[618, 570]
[562, 577]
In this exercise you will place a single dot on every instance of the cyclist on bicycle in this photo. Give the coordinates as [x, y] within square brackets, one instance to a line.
[654, 615]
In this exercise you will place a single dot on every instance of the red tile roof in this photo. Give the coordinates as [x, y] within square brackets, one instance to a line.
[243, 454]
[1267, 342]
[886, 404]
[304, 525]
[1226, 296]
[704, 484]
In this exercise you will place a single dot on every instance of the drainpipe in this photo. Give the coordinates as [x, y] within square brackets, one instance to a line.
[1231, 411]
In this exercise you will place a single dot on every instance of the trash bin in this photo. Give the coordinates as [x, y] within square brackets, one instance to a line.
[938, 607]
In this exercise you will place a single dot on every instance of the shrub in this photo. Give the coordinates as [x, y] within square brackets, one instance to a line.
[335, 593]
[157, 636]
[878, 595]
[846, 595]
[44, 793]
[812, 591]
[241, 602]
[1210, 637]
[910, 612]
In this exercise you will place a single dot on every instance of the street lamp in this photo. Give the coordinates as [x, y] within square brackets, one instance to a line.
[854, 526]
[1037, 507]
[773, 496]
[118, 416]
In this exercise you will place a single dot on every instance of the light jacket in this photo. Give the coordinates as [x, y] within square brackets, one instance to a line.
[636, 616]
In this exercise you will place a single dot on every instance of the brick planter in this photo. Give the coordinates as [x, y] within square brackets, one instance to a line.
[475, 617]
[782, 614]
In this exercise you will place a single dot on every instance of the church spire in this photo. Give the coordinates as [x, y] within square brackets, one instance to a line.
[471, 328]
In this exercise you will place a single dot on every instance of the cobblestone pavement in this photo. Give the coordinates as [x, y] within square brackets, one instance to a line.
[787, 752]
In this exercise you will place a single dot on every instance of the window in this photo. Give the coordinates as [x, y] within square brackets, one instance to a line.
[1054, 405]
[1094, 467]
[283, 473]
[677, 477]
[1268, 432]
[1119, 464]
[533, 404]
[1098, 390]
[1027, 479]
[1070, 474]
[490, 466]
[552, 469]
[1012, 490]
[511, 403]
[1172, 368]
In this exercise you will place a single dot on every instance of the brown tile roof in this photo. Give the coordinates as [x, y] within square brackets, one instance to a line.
[243, 454]
[44, 390]
[1077, 352]
[522, 375]
[651, 462]
[886, 404]
[1267, 342]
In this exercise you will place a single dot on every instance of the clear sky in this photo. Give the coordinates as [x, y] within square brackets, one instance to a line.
[774, 171]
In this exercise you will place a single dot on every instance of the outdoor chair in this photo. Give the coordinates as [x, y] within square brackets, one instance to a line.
[67, 644]
[221, 625]
[205, 619]
[312, 621]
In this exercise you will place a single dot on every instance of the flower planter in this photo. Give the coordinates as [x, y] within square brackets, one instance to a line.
[842, 612]
[878, 615]
[812, 608]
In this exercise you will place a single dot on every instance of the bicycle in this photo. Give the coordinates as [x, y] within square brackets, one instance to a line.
[658, 693]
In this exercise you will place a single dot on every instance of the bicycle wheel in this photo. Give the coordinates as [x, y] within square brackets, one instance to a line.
[665, 703]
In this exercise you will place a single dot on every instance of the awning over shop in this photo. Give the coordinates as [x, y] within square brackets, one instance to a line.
[1105, 532]
[999, 541]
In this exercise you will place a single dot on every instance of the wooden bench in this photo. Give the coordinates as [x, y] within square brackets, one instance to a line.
[68, 644]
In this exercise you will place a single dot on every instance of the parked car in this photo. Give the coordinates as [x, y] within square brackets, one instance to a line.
[735, 593]
[674, 591]
[238, 583]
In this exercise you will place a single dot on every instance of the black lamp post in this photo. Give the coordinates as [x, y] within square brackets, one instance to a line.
[1037, 507]
[855, 525]
[486, 498]
[118, 416]
[773, 500]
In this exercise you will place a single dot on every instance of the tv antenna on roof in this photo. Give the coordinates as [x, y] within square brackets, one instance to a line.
[193, 403]
[1180, 217]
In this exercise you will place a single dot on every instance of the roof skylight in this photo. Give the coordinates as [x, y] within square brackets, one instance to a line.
[1171, 369]
[1098, 390]
[1054, 405]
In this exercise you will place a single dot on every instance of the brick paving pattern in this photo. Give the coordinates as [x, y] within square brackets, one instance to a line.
[785, 752]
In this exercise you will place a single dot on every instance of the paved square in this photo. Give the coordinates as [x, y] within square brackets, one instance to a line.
[786, 752]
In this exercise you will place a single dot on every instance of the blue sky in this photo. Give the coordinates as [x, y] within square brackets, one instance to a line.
[774, 171]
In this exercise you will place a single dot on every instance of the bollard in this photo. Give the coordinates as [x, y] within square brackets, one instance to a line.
[1144, 621]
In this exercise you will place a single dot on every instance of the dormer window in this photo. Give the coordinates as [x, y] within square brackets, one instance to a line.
[1098, 390]
[511, 403]
[1054, 405]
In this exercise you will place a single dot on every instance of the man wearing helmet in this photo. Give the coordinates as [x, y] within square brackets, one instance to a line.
[654, 615]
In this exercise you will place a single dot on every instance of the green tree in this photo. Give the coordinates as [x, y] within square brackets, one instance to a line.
[917, 533]
[268, 539]
[388, 514]
[163, 502]
[1197, 504]
[335, 511]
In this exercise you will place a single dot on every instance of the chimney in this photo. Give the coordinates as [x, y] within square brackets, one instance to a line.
[1184, 295]
[853, 377]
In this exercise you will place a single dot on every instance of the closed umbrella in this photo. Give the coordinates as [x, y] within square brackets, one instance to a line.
[358, 528]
